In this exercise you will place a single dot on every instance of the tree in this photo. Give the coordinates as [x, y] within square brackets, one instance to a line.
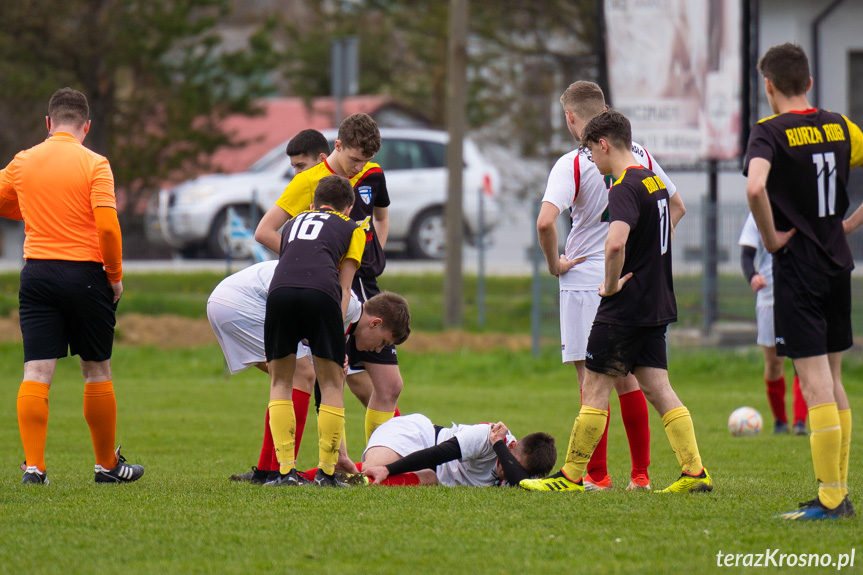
[157, 73]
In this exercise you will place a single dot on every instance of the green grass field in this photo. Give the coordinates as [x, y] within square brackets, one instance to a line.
[192, 427]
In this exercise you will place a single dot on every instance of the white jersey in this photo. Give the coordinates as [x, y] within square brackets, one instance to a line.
[575, 184]
[749, 236]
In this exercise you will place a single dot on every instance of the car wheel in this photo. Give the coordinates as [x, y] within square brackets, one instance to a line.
[427, 237]
[217, 242]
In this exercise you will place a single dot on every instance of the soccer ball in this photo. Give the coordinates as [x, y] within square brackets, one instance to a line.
[744, 421]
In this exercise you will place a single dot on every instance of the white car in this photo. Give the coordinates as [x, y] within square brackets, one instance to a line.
[192, 216]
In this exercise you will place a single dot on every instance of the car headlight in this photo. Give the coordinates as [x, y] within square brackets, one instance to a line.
[194, 194]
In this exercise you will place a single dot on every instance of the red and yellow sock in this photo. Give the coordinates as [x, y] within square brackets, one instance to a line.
[100, 411]
[301, 401]
[267, 460]
[845, 447]
[800, 407]
[776, 398]
[33, 421]
[375, 419]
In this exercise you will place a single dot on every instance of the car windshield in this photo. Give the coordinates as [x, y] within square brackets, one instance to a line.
[273, 157]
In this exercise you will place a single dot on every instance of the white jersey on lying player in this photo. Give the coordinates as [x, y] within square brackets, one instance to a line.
[236, 311]
[410, 433]
[575, 183]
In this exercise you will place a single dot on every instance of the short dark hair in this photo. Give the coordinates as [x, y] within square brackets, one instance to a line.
[538, 453]
[335, 192]
[360, 131]
[394, 311]
[787, 68]
[308, 143]
[612, 126]
[68, 106]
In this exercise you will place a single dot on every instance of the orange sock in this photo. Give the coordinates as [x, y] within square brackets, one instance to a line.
[100, 411]
[33, 421]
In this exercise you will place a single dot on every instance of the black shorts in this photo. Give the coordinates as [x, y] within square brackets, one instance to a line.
[366, 288]
[811, 309]
[618, 349]
[66, 307]
[296, 314]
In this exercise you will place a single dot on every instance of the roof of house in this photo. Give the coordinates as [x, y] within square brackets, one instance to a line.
[282, 118]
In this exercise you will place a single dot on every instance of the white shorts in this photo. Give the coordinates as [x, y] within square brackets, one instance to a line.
[764, 317]
[404, 434]
[241, 336]
[577, 312]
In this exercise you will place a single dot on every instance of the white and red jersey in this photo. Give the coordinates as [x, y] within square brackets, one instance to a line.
[575, 184]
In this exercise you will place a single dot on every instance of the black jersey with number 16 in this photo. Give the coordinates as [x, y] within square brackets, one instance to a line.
[639, 198]
[810, 154]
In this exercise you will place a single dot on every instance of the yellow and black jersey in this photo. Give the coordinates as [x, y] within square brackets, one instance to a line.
[811, 153]
[639, 198]
[370, 191]
[314, 244]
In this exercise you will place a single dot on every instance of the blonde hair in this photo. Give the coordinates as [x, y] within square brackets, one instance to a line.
[584, 99]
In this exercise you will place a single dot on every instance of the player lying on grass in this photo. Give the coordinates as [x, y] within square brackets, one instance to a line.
[411, 450]
[307, 301]
[236, 311]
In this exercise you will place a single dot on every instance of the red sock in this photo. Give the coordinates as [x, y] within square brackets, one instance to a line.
[800, 408]
[597, 467]
[301, 401]
[397, 412]
[636, 420]
[402, 479]
[268, 451]
[776, 397]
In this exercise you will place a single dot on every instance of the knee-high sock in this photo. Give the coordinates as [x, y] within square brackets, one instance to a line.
[681, 436]
[283, 427]
[375, 419]
[597, 467]
[636, 420]
[826, 442]
[33, 421]
[301, 412]
[845, 447]
[100, 411]
[331, 429]
[800, 407]
[587, 431]
[402, 479]
[267, 460]
[776, 398]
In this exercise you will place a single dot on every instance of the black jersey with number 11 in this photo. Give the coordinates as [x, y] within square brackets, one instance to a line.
[639, 198]
[810, 154]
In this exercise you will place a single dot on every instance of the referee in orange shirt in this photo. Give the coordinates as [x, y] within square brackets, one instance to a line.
[71, 280]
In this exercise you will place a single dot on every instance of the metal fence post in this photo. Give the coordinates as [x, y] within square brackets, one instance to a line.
[480, 286]
[535, 256]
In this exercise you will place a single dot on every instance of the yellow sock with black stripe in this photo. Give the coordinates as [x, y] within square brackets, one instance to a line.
[825, 440]
[845, 447]
[283, 425]
[331, 429]
[681, 436]
[586, 433]
[375, 419]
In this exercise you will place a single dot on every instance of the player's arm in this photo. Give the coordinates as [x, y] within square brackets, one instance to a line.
[381, 217]
[759, 205]
[267, 233]
[856, 136]
[111, 245]
[512, 469]
[349, 265]
[546, 229]
[676, 209]
[615, 255]
[9, 207]
[428, 458]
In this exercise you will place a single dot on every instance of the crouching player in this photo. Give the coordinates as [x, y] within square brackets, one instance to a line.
[411, 450]
[307, 300]
[628, 334]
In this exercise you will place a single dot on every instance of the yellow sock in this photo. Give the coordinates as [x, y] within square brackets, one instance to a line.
[331, 429]
[826, 442]
[375, 419]
[283, 425]
[681, 436]
[586, 433]
[845, 448]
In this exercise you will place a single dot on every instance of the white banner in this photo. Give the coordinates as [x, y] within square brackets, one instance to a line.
[674, 71]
